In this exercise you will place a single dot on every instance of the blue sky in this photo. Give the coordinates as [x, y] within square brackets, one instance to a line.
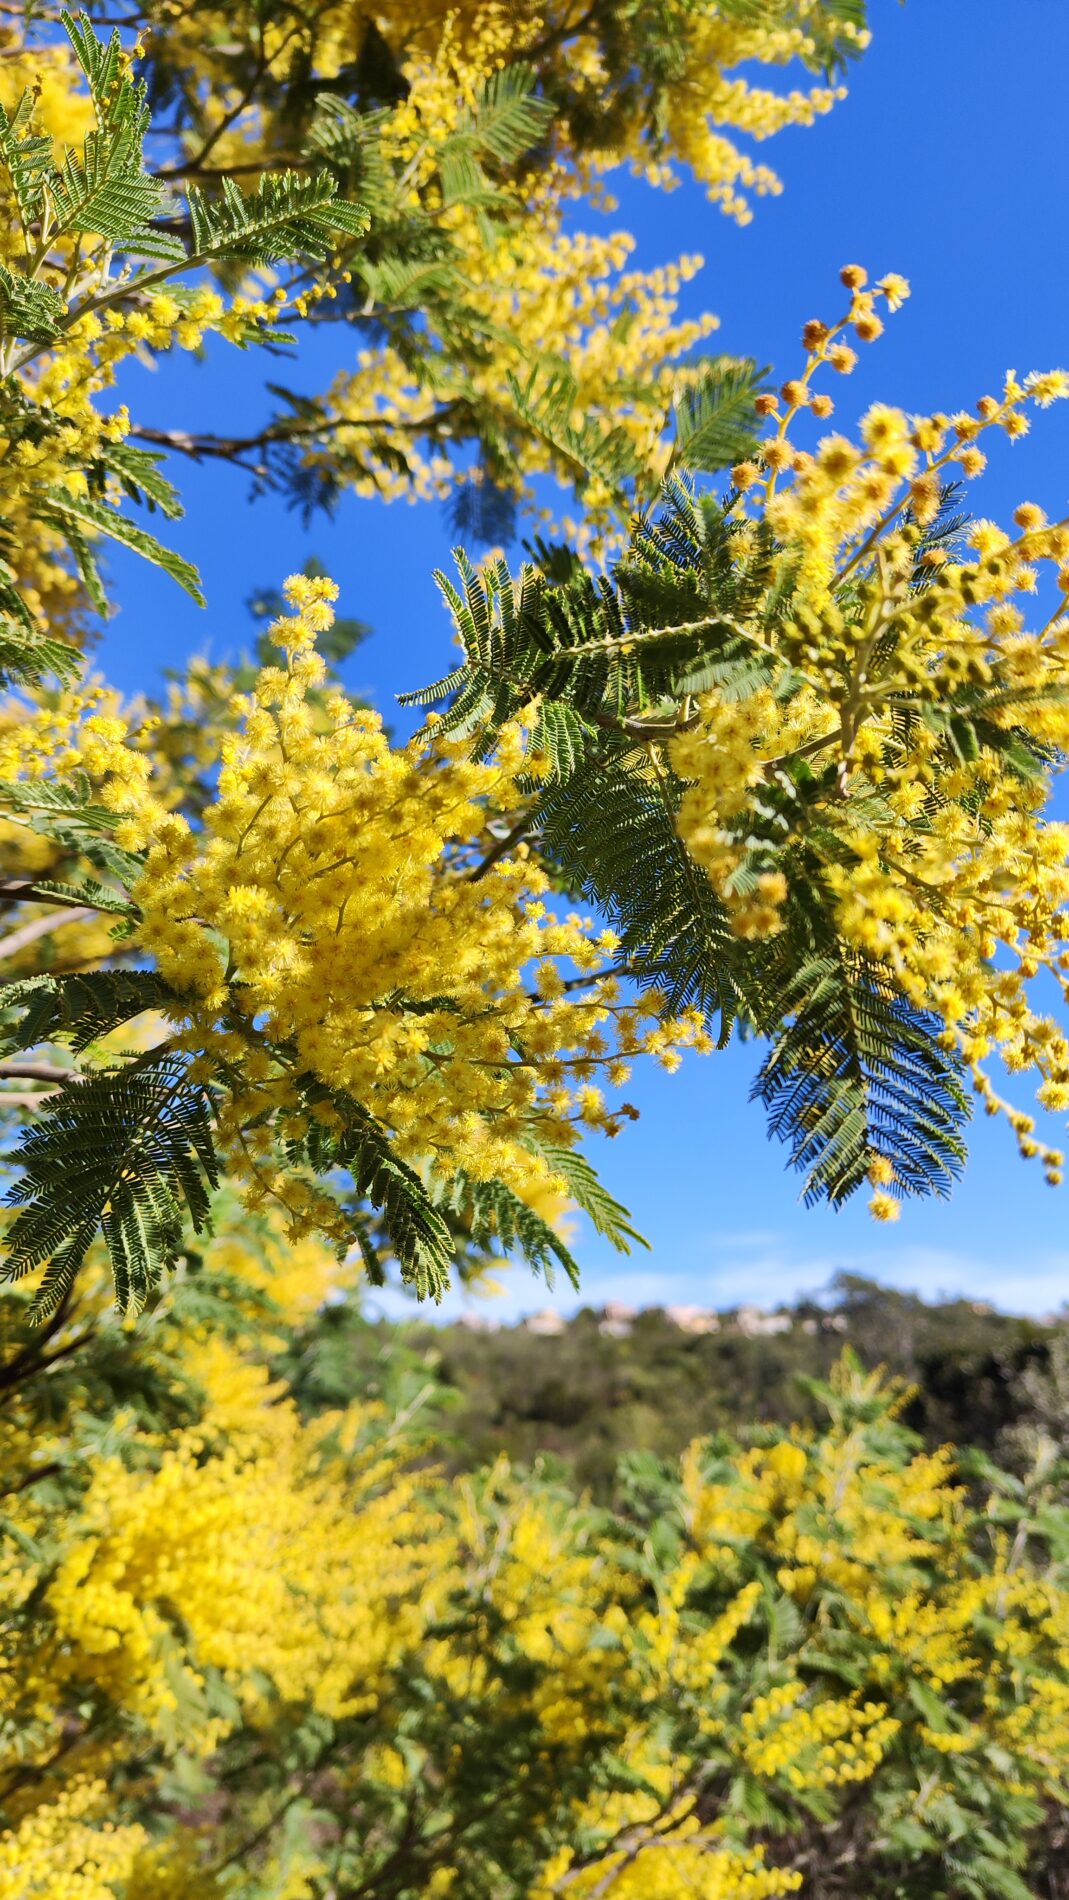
[947, 162]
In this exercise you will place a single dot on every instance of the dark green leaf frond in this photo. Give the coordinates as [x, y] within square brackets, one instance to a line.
[416, 1233]
[855, 1075]
[605, 1213]
[287, 215]
[125, 1154]
[610, 831]
[26, 156]
[29, 308]
[496, 1217]
[64, 811]
[714, 417]
[510, 116]
[28, 659]
[63, 509]
[78, 1007]
[547, 402]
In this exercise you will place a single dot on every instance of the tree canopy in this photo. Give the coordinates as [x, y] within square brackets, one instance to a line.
[772, 712]
[756, 736]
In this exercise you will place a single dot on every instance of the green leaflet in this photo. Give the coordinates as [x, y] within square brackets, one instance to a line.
[27, 659]
[498, 1216]
[856, 1074]
[546, 402]
[62, 508]
[714, 418]
[605, 1213]
[287, 215]
[77, 1007]
[126, 1154]
[28, 308]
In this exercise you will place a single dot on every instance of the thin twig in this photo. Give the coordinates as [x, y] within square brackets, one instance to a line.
[500, 849]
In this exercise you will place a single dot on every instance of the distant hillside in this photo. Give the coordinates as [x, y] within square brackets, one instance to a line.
[611, 1382]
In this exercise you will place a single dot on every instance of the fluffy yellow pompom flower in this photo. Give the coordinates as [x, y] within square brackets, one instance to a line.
[336, 926]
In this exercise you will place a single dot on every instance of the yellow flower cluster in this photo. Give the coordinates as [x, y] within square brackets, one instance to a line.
[290, 1562]
[65, 416]
[825, 1745]
[675, 1865]
[549, 1587]
[215, 1592]
[711, 98]
[907, 676]
[289, 1556]
[533, 289]
[711, 95]
[330, 918]
[69, 1848]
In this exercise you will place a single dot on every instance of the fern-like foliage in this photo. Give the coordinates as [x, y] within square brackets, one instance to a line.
[603, 667]
[495, 1217]
[608, 829]
[131, 238]
[64, 812]
[286, 216]
[124, 1155]
[28, 658]
[494, 1220]
[714, 417]
[604, 1212]
[356, 1149]
[78, 1007]
[73, 514]
[856, 1074]
[29, 309]
[675, 617]
[417, 1234]
[138, 1142]
[548, 403]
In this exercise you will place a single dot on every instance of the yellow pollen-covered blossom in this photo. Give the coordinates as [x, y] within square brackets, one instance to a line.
[928, 833]
[327, 922]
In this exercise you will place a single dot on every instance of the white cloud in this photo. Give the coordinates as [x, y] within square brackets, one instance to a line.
[762, 1269]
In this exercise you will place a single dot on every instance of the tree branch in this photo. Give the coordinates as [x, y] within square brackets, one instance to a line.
[37, 1072]
[226, 447]
[31, 1478]
[500, 849]
[17, 940]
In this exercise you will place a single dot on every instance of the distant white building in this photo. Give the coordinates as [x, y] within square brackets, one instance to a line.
[548, 1322]
[617, 1319]
[754, 1322]
[478, 1323]
[693, 1319]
